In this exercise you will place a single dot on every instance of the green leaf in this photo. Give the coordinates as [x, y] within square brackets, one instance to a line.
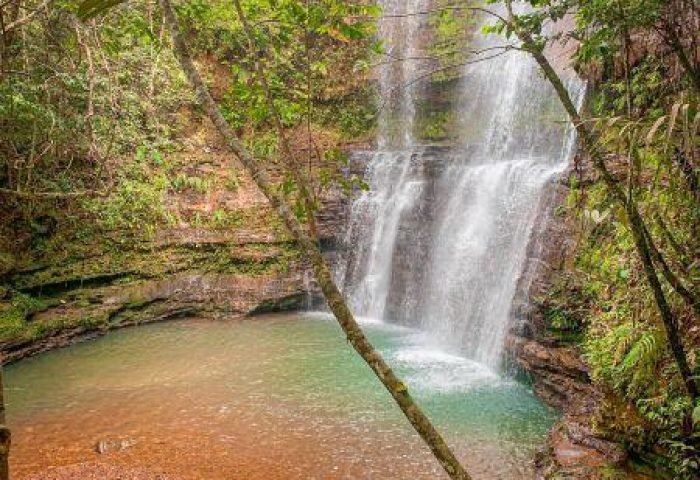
[319, 67]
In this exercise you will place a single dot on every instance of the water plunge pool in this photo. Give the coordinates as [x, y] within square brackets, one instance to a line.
[278, 396]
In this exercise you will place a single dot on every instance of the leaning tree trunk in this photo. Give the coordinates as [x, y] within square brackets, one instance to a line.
[309, 248]
[637, 226]
[4, 433]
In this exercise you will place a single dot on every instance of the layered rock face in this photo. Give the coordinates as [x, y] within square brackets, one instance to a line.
[184, 272]
[556, 367]
[193, 273]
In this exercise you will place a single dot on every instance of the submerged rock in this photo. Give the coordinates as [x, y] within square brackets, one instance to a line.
[114, 445]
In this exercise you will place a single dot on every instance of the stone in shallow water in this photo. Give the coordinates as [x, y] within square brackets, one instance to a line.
[114, 445]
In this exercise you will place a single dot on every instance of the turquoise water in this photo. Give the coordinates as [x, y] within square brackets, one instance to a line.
[291, 378]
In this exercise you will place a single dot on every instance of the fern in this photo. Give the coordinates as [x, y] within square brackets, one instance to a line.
[624, 339]
[637, 372]
[645, 351]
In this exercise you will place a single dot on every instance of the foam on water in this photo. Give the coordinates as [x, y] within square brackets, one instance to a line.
[434, 370]
[426, 365]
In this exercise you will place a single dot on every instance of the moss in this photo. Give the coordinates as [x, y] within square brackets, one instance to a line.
[120, 268]
[7, 262]
[287, 303]
[79, 286]
[435, 125]
[16, 325]
[16, 314]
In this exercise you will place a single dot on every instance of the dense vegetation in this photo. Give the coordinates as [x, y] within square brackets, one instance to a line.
[273, 56]
[98, 109]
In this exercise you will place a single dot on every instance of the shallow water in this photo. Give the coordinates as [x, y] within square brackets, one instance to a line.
[280, 396]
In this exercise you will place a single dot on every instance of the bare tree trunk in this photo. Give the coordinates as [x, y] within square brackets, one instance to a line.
[672, 279]
[5, 436]
[309, 247]
[636, 222]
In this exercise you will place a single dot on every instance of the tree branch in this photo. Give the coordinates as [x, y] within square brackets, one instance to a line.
[48, 195]
[434, 10]
[637, 226]
[28, 17]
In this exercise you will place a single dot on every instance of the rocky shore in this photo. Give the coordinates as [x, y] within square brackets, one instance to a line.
[556, 367]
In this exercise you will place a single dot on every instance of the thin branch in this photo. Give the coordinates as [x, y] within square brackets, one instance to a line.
[304, 182]
[49, 195]
[15, 72]
[672, 279]
[637, 226]
[423, 76]
[397, 58]
[431, 11]
[18, 23]
[309, 247]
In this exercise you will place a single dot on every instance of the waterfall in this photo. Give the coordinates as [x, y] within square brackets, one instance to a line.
[439, 241]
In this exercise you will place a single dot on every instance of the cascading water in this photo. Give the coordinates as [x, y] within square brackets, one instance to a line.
[376, 217]
[399, 66]
[439, 240]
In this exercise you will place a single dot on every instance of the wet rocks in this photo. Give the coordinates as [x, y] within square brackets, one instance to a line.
[182, 272]
[560, 376]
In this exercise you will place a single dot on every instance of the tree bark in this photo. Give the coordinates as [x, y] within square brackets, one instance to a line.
[309, 248]
[5, 437]
[636, 222]
[674, 42]
[671, 277]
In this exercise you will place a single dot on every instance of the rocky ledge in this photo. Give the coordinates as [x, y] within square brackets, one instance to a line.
[556, 368]
[182, 272]
[560, 378]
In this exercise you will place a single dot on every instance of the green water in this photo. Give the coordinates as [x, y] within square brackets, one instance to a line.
[291, 370]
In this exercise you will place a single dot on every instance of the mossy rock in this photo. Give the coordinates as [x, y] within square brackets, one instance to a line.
[7, 263]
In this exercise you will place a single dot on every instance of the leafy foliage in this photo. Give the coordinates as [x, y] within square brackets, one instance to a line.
[88, 104]
[452, 24]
